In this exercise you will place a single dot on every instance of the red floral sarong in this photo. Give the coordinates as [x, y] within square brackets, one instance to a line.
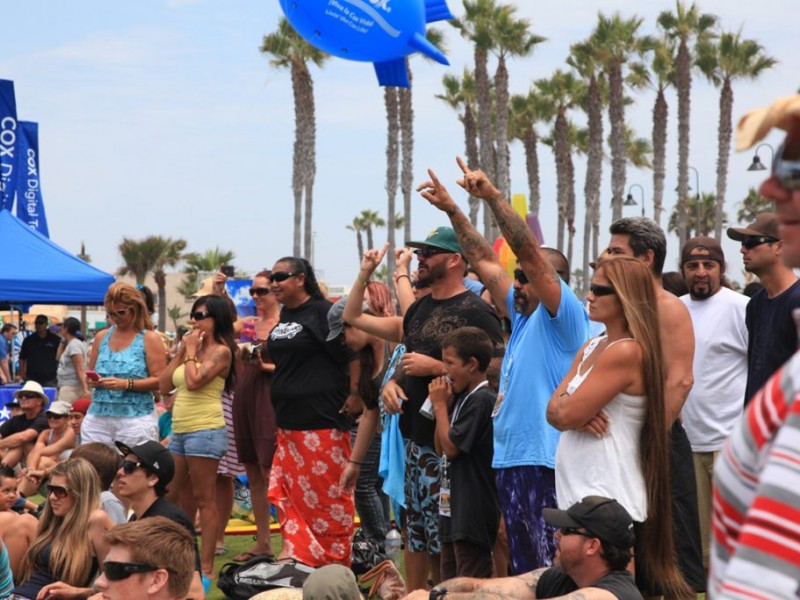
[316, 518]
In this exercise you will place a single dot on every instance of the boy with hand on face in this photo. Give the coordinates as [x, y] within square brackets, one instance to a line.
[469, 513]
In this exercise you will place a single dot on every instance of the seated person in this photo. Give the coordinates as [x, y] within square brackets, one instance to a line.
[152, 558]
[76, 414]
[106, 463]
[52, 447]
[594, 541]
[19, 434]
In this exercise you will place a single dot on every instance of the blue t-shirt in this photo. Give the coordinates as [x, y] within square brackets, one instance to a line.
[3, 348]
[538, 356]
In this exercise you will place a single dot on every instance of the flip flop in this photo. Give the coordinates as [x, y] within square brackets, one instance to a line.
[220, 551]
[245, 556]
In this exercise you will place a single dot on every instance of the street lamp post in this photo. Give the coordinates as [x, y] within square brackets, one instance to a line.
[757, 165]
[630, 201]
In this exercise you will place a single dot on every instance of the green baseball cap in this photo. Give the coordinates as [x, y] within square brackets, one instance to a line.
[443, 238]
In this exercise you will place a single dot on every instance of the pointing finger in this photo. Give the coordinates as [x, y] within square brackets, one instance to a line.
[462, 164]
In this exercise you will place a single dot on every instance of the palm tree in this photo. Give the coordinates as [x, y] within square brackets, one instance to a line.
[526, 112]
[700, 216]
[176, 314]
[730, 58]
[562, 92]
[139, 257]
[358, 226]
[391, 100]
[370, 219]
[618, 44]
[477, 26]
[291, 51]
[512, 38]
[583, 59]
[460, 95]
[171, 253]
[751, 205]
[662, 66]
[207, 262]
[683, 27]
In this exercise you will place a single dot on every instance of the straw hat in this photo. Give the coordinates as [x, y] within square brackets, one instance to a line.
[756, 124]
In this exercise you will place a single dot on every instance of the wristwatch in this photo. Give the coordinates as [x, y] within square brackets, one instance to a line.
[436, 593]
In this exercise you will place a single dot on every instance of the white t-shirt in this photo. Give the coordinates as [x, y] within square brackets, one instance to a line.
[66, 368]
[715, 404]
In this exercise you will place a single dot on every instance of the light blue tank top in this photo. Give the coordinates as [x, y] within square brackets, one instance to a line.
[129, 363]
[6, 580]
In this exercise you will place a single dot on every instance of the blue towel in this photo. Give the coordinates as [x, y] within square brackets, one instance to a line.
[392, 464]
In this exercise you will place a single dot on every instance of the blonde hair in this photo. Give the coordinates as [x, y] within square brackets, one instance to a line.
[633, 284]
[124, 293]
[71, 550]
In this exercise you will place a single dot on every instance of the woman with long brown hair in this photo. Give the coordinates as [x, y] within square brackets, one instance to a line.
[128, 357]
[610, 407]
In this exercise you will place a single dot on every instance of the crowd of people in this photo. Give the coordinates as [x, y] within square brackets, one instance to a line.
[529, 444]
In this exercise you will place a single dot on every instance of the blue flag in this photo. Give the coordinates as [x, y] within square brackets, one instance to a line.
[8, 144]
[30, 206]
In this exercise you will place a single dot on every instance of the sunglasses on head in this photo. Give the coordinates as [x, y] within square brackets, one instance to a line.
[574, 531]
[520, 276]
[59, 491]
[428, 252]
[282, 276]
[753, 241]
[601, 290]
[117, 571]
[199, 315]
[129, 466]
[787, 172]
[260, 291]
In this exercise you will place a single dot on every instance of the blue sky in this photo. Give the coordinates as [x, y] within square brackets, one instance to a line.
[161, 117]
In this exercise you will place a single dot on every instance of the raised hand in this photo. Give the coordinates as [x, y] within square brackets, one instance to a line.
[372, 258]
[434, 192]
[402, 258]
[477, 183]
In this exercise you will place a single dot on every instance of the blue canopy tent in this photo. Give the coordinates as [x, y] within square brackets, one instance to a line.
[35, 270]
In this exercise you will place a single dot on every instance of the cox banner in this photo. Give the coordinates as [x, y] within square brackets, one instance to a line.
[8, 144]
[30, 206]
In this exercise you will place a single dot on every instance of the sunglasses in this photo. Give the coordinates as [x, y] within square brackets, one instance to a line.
[199, 315]
[574, 531]
[51, 415]
[118, 313]
[520, 276]
[787, 172]
[260, 291]
[117, 571]
[282, 276]
[129, 466]
[753, 241]
[59, 491]
[428, 252]
[27, 396]
[601, 290]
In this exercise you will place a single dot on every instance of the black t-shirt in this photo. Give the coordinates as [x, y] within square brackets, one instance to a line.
[165, 508]
[40, 352]
[311, 380]
[425, 325]
[772, 334]
[474, 508]
[21, 423]
[554, 583]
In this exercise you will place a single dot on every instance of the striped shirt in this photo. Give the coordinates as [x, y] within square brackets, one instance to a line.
[756, 508]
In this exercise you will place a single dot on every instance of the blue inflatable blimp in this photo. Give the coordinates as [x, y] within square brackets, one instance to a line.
[382, 32]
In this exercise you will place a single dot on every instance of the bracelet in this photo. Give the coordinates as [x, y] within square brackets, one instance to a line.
[130, 385]
[364, 281]
[355, 462]
[189, 359]
[399, 277]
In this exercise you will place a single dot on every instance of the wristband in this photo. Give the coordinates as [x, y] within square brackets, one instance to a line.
[436, 593]
[399, 277]
[130, 385]
[355, 462]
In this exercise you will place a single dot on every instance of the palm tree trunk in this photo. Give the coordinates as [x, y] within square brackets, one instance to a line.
[390, 98]
[594, 173]
[471, 147]
[724, 151]
[660, 115]
[310, 160]
[407, 149]
[161, 284]
[684, 85]
[561, 151]
[530, 143]
[570, 206]
[501, 129]
[485, 136]
[616, 117]
[360, 244]
[297, 157]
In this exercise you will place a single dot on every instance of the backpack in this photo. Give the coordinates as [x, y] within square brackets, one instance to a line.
[261, 573]
[366, 553]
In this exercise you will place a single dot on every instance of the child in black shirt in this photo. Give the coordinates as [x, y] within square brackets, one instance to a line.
[469, 512]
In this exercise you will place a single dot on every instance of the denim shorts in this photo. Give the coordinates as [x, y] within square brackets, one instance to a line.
[206, 443]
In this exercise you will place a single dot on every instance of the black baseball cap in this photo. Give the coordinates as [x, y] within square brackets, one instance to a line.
[155, 457]
[602, 517]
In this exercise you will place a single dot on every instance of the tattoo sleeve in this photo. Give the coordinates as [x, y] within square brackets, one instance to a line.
[474, 245]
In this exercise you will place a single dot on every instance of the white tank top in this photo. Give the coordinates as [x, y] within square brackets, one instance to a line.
[609, 466]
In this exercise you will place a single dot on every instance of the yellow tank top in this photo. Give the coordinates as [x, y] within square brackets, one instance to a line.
[199, 409]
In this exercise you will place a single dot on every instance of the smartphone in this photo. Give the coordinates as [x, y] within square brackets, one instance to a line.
[92, 375]
[227, 270]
